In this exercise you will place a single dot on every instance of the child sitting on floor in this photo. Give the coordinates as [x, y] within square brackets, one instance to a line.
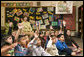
[51, 47]
[62, 47]
[21, 49]
[35, 46]
[69, 41]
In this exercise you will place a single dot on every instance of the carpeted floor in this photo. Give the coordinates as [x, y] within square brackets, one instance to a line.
[80, 43]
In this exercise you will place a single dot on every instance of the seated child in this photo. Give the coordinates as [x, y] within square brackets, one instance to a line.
[51, 47]
[62, 47]
[21, 49]
[35, 46]
[69, 41]
[7, 48]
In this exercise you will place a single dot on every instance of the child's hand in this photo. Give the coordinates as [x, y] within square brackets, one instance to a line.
[13, 45]
[64, 23]
[20, 26]
[36, 36]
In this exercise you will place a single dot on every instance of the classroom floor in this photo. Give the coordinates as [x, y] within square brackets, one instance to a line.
[80, 43]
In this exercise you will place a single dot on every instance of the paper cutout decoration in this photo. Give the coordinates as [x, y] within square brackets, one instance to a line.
[44, 12]
[38, 17]
[32, 10]
[26, 14]
[37, 22]
[37, 13]
[19, 12]
[24, 10]
[50, 8]
[16, 18]
[45, 16]
[30, 13]
[50, 17]
[46, 22]
[54, 23]
[31, 17]
[40, 21]
[39, 9]
[42, 26]
[14, 11]
[50, 12]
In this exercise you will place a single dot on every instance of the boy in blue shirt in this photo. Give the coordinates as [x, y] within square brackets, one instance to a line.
[62, 47]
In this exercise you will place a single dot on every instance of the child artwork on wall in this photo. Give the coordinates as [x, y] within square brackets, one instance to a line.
[45, 16]
[40, 21]
[50, 8]
[16, 18]
[42, 26]
[37, 22]
[19, 12]
[54, 23]
[38, 17]
[50, 17]
[39, 9]
[46, 22]
[32, 10]
[26, 14]
[31, 17]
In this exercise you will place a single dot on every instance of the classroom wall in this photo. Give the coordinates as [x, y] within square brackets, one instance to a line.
[44, 3]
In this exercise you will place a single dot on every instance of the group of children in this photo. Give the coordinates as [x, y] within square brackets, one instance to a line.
[39, 44]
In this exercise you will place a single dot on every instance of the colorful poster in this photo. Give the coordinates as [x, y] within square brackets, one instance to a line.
[64, 7]
[19, 12]
[31, 17]
[38, 17]
[46, 22]
[40, 21]
[42, 26]
[26, 14]
[50, 17]
[45, 16]
[16, 18]
[54, 23]
[39, 9]
[50, 8]
[32, 10]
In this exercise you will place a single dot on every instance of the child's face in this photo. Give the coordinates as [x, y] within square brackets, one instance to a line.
[68, 32]
[14, 33]
[38, 42]
[52, 33]
[23, 40]
[25, 19]
[47, 33]
[54, 40]
[61, 38]
[9, 40]
[27, 38]
[41, 35]
[56, 33]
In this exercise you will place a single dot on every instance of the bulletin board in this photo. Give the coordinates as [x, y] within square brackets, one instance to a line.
[43, 15]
